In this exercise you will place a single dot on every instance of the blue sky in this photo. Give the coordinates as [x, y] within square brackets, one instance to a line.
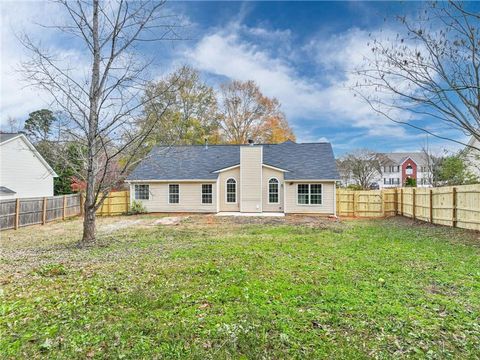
[303, 53]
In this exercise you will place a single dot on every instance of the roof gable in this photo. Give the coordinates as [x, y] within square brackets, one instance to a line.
[7, 138]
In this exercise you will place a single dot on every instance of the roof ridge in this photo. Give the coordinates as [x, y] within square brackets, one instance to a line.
[262, 144]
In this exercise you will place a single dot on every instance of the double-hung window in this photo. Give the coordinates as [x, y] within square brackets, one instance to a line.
[273, 191]
[309, 194]
[173, 193]
[231, 191]
[142, 192]
[207, 196]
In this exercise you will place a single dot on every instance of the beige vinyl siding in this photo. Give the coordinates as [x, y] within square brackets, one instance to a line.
[251, 178]
[190, 197]
[267, 175]
[328, 198]
[222, 180]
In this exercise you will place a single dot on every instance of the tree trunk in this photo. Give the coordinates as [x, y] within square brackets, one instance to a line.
[89, 219]
[89, 227]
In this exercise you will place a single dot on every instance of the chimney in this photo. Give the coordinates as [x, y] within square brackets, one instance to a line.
[250, 142]
[206, 144]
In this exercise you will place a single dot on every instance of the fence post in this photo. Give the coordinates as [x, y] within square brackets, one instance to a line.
[64, 206]
[354, 207]
[81, 204]
[382, 195]
[413, 203]
[395, 202]
[17, 213]
[431, 205]
[109, 205]
[401, 201]
[44, 213]
[127, 197]
[454, 207]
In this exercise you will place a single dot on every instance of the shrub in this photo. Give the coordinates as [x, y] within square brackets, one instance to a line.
[411, 182]
[137, 208]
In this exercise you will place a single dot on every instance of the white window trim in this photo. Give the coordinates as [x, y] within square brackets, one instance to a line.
[201, 194]
[168, 194]
[309, 193]
[236, 191]
[268, 191]
[135, 192]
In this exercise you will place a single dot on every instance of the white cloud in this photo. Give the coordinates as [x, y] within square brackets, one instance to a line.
[17, 99]
[228, 52]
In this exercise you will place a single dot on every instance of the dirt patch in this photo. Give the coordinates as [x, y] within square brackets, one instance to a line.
[170, 220]
[312, 221]
[119, 225]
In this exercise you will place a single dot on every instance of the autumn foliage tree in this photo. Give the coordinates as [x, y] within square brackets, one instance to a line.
[195, 112]
[248, 114]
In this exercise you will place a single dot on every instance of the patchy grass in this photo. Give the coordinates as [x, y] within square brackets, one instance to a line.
[228, 288]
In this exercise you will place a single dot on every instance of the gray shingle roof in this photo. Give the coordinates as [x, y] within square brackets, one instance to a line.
[398, 158]
[7, 136]
[6, 191]
[303, 161]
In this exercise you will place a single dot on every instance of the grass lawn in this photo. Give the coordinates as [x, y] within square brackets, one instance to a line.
[240, 288]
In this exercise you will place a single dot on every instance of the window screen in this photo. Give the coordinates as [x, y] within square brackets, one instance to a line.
[173, 193]
[142, 192]
[207, 194]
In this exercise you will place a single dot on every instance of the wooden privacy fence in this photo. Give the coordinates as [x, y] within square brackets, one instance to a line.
[16, 213]
[457, 206]
[116, 203]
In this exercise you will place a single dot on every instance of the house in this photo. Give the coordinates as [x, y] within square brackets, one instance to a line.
[24, 173]
[254, 178]
[398, 167]
[472, 156]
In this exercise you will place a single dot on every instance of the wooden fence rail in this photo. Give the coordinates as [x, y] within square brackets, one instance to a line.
[457, 206]
[17, 213]
[116, 203]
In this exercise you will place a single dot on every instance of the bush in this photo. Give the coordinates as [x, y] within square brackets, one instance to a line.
[354, 187]
[137, 208]
[411, 182]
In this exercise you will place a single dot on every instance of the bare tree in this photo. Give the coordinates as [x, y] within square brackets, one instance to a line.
[102, 99]
[362, 166]
[429, 70]
[433, 164]
[13, 124]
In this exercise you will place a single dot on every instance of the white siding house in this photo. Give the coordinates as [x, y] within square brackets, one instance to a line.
[23, 171]
[472, 156]
[251, 179]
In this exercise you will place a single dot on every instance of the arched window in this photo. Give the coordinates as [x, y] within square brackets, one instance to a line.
[273, 191]
[409, 169]
[231, 190]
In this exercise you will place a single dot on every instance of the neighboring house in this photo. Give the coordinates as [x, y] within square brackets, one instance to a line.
[24, 172]
[398, 167]
[472, 157]
[283, 178]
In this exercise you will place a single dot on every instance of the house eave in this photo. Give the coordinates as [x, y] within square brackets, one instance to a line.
[170, 180]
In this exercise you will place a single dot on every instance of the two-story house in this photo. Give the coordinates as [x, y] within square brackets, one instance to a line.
[399, 167]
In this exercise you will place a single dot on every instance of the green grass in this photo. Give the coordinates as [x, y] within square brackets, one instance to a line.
[379, 289]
